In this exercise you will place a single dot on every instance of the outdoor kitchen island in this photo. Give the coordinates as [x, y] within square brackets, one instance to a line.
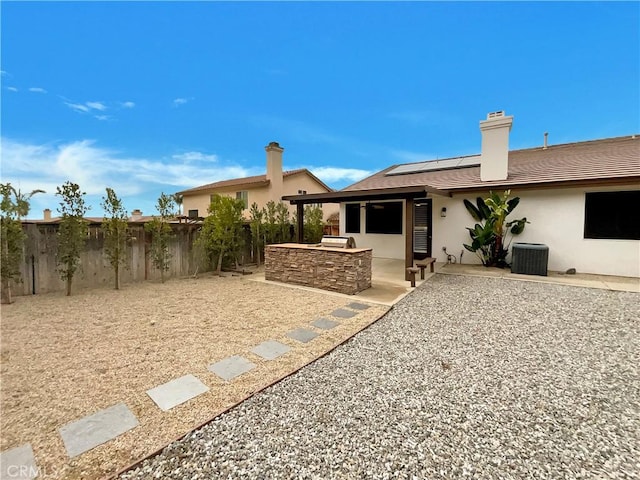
[344, 270]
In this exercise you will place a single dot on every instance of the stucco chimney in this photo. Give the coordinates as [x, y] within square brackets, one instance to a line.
[47, 214]
[274, 170]
[136, 215]
[494, 161]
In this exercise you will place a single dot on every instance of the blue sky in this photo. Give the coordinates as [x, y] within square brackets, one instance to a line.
[154, 97]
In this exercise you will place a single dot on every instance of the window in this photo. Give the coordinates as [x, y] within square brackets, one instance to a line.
[193, 213]
[244, 196]
[352, 218]
[613, 215]
[384, 217]
[302, 192]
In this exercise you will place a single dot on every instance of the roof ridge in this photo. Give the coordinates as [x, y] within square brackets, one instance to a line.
[556, 145]
[633, 136]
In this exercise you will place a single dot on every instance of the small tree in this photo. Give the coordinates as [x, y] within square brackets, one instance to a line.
[178, 199]
[488, 239]
[222, 234]
[13, 207]
[161, 233]
[313, 224]
[115, 229]
[72, 232]
[270, 223]
[283, 220]
[257, 230]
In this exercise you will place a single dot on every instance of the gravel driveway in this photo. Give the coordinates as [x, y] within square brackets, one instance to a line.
[465, 378]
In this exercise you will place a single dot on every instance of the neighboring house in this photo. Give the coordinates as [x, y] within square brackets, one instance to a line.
[259, 189]
[581, 199]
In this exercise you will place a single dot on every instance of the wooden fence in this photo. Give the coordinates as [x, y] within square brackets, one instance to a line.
[39, 269]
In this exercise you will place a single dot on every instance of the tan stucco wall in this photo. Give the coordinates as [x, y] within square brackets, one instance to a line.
[260, 195]
[303, 182]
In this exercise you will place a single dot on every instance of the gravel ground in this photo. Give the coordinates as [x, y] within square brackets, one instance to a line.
[465, 378]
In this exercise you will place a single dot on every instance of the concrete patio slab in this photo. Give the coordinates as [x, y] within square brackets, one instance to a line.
[324, 323]
[342, 313]
[176, 392]
[93, 430]
[302, 335]
[18, 463]
[270, 349]
[231, 367]
[588, 280]
[358, 306]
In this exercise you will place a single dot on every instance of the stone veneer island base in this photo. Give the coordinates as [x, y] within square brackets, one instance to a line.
[344, 270]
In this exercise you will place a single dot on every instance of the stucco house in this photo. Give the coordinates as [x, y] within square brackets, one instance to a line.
[259, 188]
[581, 199]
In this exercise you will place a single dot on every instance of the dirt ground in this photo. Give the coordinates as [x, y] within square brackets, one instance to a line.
[63, 358]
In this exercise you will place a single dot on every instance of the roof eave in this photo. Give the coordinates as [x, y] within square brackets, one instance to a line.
[631, 180]
[199, 190]
[368, 194]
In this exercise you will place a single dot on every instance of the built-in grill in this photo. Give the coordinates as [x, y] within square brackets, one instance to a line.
[337, 242]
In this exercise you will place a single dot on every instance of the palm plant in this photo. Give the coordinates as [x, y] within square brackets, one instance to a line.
[489, 239]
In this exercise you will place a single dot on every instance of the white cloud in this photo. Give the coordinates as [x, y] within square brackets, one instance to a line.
[337, 174]
[96, 106]
[103, 117]
[195, 157]
[45, 166]
[85, 107]
[78, 107]
[181, 101]
[37, 90]
[4, 73]
[12, 89]
[127, 104]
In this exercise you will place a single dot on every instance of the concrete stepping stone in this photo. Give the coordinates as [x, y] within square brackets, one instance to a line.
[358, 306]
[302, 335]
[93, 430]
[18, 463]
[270, 349]
[231, 367]
[324, 323]
[342, 313]
[176, 392]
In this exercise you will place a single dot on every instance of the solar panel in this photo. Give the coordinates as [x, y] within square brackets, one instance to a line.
[431, 165]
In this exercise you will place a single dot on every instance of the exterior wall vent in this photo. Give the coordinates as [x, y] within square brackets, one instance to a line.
[530, 258]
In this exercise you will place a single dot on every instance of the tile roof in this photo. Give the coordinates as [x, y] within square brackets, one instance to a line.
[611, 159]
[256, 180]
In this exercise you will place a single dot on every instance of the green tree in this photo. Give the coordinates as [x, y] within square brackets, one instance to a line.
[270, 223]
[13, 207]
[72, 231]
[489, 237]
[257, 230]
[283, 220]
[178, 199]
[313, 224]
[222, 235]
[115, 228]
[23, 202]
[161, 233]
